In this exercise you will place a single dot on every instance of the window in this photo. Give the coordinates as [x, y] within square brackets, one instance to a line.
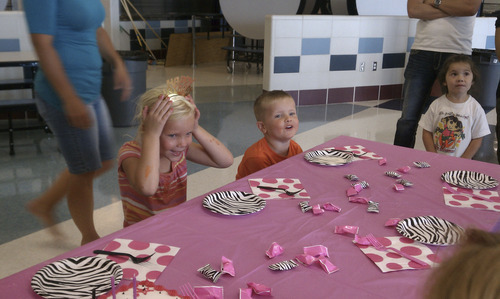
[169, 9]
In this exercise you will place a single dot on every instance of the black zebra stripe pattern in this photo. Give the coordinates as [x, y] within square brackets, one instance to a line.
[304, 206]
[393, 174]
[233, 203]
[404, 182]
[76, 277]
[329, 157]
[430, 230]
[469, 179]
[210, 273]
[283, 266]
[364, 184]
[351, 177]
[422, 164]
[372, 207]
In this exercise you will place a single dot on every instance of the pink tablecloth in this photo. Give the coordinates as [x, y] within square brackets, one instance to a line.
[204, 237]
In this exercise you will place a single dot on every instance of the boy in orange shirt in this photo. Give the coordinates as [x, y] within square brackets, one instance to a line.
[277, 119]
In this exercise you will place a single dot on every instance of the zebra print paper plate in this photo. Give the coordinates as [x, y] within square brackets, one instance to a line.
[469, 179]
[329, 157]
[77, 277]
[430, 230]
[233, 203]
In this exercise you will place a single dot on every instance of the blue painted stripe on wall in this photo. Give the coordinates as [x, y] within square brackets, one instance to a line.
[490, 42]
[393, 60]
[9, 44]
[154, 24]
[286, 64]
[409, 43]
[370, 45]
[315, 46]
[343, 62]
[181, 23]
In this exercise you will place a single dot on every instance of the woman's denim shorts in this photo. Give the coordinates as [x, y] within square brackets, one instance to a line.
[83, 149]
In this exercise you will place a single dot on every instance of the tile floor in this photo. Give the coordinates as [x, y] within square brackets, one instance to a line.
[225, 101]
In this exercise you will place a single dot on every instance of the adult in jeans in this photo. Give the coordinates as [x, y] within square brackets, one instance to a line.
[71, 44]
[445, 28]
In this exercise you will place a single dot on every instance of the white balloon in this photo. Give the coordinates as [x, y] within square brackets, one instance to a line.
[247, 17]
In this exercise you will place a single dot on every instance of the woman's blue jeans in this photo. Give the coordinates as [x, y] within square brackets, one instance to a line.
[420, 74]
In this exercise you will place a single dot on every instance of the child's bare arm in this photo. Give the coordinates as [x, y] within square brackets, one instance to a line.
[209, 151]
[428, 141]
[143, 173]
[473, 147]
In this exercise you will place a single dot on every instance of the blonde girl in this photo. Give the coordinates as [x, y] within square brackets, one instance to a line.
[152, 169]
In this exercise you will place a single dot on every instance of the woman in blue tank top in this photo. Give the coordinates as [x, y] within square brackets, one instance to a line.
[70, 44]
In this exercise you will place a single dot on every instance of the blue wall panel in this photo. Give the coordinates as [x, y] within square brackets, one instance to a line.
[286, 64]
[393, 60]
[343, 62]
[371, 45]
[315, 46]
[9, 44]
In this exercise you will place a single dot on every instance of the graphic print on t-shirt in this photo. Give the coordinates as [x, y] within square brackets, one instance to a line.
[448, 134]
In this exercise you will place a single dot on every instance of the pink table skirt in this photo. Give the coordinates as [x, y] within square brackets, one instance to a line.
[204, 237]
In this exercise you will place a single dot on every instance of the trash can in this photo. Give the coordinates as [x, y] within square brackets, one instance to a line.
[123, 112]
[489, 70]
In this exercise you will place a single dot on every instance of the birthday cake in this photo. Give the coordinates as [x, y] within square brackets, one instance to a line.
[144, 290]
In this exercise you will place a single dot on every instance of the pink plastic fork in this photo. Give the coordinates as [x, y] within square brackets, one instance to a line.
[379, 246]
[187, 290]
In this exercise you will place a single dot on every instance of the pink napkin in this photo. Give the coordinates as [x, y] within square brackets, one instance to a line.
[359, 150]
[209, 292]
[285, 183]
[464, 200]
[148, 270]
[389, 261]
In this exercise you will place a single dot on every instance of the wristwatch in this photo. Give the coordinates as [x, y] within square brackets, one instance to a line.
[436, 3]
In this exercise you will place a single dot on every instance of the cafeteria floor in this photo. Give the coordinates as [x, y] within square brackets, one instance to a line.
[225, 101]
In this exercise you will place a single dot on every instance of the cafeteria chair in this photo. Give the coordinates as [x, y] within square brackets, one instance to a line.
[13, 108]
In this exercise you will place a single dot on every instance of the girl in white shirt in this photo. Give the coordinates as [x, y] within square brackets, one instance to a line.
[455, 123]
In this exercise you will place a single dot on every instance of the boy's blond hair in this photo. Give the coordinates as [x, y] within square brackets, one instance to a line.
[259, 106]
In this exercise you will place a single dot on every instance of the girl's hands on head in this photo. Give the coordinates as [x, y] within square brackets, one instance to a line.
[156, 116]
